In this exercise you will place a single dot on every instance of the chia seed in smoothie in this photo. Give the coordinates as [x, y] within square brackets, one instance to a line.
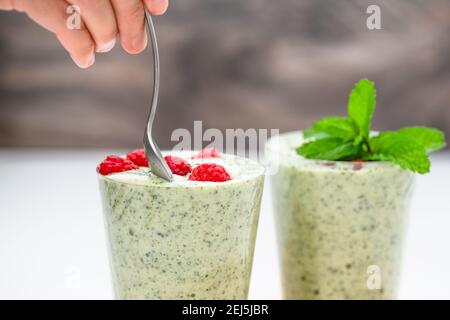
[334, 221]
[183, 239]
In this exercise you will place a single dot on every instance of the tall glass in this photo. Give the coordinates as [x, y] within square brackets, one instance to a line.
[340, 225]
[180, 241]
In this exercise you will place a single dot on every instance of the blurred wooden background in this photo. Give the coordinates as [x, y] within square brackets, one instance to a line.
[232, 64]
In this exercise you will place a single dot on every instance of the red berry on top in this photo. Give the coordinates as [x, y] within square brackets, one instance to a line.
[210, 172]
[114, 164]
[207, 153]
[138, 157]
[178, 165]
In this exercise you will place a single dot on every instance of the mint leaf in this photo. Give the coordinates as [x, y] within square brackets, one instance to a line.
[337, 127]
[361, 106]
[329, 149]
[400, 149]
[431, 139]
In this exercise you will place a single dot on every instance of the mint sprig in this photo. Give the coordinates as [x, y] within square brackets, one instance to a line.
[349, 138]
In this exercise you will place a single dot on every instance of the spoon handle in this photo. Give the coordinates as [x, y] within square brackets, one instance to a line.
[157, 164]
[152, 33]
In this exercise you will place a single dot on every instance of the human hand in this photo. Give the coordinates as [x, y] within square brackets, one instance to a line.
[101, 21]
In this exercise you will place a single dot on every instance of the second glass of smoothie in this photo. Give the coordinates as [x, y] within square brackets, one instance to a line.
[183, 239]
[340, 225]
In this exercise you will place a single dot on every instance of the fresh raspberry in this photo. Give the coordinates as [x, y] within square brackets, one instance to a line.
[207, 153]
[138, 157]
[178, 165]
[210, 172]
[115, 164]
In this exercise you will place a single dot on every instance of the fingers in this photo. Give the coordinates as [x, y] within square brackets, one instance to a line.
[53, 15]
[99, 23]
[157, 7]
[131, 23]
[6, 5]
[98, 15]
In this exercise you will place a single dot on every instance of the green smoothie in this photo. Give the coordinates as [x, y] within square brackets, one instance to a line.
[337, 223]
[183, 239]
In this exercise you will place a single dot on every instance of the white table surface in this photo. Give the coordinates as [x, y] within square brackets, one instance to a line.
[52, 240]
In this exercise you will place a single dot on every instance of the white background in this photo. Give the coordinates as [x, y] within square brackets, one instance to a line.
[52, 240]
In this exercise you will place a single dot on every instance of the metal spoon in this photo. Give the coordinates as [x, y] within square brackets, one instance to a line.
[158, 165]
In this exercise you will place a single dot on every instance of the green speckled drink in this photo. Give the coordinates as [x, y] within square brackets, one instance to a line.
[183, 239]
[334, 221]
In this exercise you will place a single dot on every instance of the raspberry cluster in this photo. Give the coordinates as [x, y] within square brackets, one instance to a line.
[179, 166]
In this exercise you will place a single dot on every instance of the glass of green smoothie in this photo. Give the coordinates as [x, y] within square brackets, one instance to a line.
[341, 195]
[186, 239]
[336, 221]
